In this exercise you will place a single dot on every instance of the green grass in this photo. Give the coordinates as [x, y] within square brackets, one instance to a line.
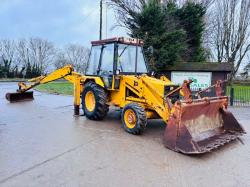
[64, 88]
[241, 92]
[12, 79]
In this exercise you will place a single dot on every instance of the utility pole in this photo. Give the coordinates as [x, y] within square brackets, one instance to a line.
[100, 20]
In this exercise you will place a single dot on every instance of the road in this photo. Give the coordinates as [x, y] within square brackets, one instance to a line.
[43, 144]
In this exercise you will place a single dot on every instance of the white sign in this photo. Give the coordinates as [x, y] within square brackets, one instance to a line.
[200, 79]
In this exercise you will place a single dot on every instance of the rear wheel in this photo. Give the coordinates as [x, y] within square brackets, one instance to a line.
[94, 99]
[134, 119]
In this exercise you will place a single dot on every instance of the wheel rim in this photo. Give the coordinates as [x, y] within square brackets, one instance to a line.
[90, 101]
[130, 118]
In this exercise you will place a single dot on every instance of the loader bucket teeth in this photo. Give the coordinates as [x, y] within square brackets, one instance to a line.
[17, 97]
[201, 126]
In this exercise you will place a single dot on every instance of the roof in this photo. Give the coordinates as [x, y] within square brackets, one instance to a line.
[132, 41]
[198, 66]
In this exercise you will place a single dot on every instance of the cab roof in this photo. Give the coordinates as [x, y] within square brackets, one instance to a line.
[122, 40]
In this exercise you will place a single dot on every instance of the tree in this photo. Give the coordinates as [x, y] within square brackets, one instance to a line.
[7, 55]
[41, 54]
[191, 16]
[230, 32]
[23, 51]
[28, 73]
[35, 55]
[23, 57]
[246, 71]
[73, 54]
[77, 55]
[60, 60]
[164, 39]
[204, 3]
[127, 10]
[173, 32]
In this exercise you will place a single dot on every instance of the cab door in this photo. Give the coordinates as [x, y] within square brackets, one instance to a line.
[106, 65]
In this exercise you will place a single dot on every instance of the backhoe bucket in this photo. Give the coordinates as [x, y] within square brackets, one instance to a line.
[200, 126]
[18, 96]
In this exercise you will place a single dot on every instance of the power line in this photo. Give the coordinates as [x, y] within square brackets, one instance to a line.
[100, 37]
[89, 14]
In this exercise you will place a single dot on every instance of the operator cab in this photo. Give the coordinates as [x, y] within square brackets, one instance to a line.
[116, 56]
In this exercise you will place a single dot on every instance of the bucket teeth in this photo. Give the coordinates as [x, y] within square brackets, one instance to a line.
[223, 139]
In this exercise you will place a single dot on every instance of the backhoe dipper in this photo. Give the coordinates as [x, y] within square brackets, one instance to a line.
[117, 75]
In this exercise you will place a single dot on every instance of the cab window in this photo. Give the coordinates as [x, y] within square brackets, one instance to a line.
[141, 65]
[107, 60]
[94, 60]
[127, 59]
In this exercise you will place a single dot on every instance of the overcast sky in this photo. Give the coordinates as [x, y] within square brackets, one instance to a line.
[60, 21]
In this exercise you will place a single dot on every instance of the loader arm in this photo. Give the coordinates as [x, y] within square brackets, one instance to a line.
[150, 93]
[156, 100]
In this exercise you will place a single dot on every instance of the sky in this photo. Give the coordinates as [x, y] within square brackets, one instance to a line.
[59, 21]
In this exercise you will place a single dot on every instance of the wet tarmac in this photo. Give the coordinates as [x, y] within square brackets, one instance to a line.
[43, 144]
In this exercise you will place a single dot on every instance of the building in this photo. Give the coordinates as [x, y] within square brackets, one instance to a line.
[202, 74]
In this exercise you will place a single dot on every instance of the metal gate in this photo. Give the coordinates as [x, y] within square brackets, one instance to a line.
[239, 95]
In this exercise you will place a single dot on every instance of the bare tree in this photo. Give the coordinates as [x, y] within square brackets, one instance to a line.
[7, 55]
[22, 52]
[246, 69]
[205, 3]
[126, 9]
[37, 52]
[60, 60]
[230, 31]
[77, 55]
[41, 53]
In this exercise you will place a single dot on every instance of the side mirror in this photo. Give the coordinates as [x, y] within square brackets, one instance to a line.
[117, 72]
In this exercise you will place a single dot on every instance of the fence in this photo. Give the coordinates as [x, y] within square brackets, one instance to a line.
[238, 95]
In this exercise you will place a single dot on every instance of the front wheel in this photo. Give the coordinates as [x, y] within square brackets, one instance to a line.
[134, 119]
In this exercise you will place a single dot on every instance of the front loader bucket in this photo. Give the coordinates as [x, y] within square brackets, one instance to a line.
[18, 96]
[201, 126]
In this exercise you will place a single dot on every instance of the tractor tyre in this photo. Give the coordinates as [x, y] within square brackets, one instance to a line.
[94, 101]
[134, 119]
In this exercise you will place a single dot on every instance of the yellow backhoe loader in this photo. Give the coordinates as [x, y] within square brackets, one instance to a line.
[117, 75]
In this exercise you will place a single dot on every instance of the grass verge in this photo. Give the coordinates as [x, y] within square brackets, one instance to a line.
[64, 88]
[241, 92]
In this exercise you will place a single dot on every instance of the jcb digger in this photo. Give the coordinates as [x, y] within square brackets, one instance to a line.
[117, 75]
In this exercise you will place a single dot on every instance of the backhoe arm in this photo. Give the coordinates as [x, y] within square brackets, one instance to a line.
[65, 72]
[55, 75]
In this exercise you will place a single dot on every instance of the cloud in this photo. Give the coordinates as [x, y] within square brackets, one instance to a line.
[60, 21]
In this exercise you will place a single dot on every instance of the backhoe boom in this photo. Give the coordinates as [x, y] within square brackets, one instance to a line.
[55, 75]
